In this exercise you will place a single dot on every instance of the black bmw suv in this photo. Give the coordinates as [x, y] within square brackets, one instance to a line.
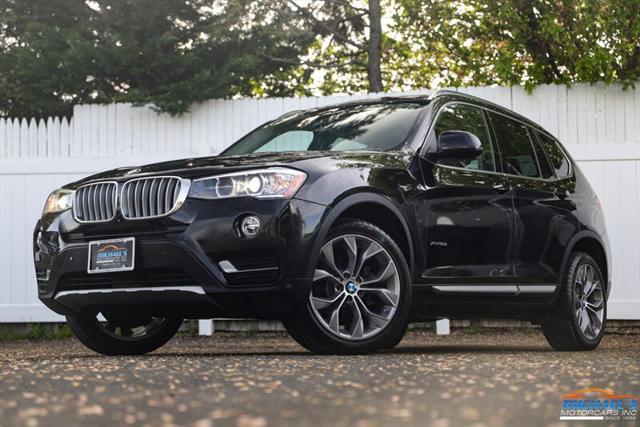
[345, 222]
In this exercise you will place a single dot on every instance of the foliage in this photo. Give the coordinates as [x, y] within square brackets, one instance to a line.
[34, 331]
[56, 53]
[513, 42]
[172, 53]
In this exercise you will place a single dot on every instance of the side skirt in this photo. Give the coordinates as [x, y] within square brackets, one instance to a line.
[509, 301]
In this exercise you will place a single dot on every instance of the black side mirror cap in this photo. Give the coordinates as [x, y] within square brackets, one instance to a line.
[457, 144]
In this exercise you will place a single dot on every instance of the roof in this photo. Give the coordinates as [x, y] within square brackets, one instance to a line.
[428, 97]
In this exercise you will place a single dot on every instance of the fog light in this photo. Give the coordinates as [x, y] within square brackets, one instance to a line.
[250, 226]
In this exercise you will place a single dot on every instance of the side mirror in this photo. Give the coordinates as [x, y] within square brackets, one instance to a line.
[457, 144]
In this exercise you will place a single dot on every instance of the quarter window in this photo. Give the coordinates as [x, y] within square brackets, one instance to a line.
[545, 167]
[557, 158]
[516, 150]
[466, 118]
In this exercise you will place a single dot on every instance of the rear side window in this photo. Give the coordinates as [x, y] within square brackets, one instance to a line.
[516, 150]
[557, 158]
[469, 119]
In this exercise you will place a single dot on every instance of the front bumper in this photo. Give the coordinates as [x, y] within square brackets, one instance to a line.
[177, 266]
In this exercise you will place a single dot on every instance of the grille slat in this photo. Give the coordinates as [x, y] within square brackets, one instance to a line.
[176, 191]
[78, 206]
[111, 202]
[85, 202]
[153, 203]
[137, 211]
[90, 194]
[145, 198]
[159, 202]
[95, 202]
[101, 201]
[169, 194]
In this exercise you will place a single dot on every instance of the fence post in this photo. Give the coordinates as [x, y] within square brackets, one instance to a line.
[206, 327]
[443, 327]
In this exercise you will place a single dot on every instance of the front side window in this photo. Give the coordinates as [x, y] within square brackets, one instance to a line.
[516, 150]
[365, 127]
[557, 158]
[466, 118]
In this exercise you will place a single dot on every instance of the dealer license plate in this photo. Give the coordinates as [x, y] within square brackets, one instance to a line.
[107, 256]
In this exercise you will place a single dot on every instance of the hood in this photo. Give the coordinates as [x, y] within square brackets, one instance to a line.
[307, 161]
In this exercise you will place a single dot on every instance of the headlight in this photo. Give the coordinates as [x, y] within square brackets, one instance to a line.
[274, 183]
[58, 201]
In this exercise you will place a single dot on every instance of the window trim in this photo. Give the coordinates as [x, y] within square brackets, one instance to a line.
[529, 127]
[494, 142]
[528, 130]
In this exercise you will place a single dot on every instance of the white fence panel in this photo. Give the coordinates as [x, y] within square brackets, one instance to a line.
[600, 125]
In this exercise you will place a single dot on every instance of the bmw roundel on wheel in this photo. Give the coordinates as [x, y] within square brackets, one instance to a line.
[345, 222]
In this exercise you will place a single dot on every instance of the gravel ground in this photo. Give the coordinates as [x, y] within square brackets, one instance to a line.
[494, 379]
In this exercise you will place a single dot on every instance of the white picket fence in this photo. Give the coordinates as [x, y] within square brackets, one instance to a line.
[600, 125]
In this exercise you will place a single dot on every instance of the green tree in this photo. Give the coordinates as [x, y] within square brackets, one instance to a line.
[514, 42]
[347, 49]
[171, 53]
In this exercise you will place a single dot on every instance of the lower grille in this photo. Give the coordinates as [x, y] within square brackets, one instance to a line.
[143, 278]
[253, 278]
[141, 232]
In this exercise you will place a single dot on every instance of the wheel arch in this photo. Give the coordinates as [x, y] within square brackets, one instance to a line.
[370, 207]
[591, 244]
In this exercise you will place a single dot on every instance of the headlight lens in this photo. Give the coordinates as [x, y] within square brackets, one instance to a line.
[274, 183]
[58, 201]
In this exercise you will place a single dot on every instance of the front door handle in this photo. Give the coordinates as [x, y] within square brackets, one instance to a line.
[501, 187]
[562, 193]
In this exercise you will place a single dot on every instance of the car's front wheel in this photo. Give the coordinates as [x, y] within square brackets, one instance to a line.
[360, 295]
[580, 317]
[112, 332]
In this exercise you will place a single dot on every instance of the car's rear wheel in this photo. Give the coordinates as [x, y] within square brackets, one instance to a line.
[116, 332]
[360, 296]
[579, 320]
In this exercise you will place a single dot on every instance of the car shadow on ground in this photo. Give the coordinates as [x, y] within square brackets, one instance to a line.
[410, 350]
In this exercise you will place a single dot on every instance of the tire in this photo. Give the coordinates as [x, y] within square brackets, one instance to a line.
[562, 328]
[98, 336]
[382, 325]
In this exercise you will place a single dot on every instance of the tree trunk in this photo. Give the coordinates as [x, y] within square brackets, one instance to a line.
[375, 47]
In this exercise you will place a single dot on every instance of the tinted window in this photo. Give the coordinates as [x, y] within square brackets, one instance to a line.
[543, 162]
[557, 158]
[376, 127]
[295, 140]
[518, 157]
[469, 119]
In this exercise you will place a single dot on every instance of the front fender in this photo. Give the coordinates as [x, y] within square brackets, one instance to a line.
[341, 206]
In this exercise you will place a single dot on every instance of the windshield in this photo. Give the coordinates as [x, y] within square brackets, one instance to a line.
[377, 127]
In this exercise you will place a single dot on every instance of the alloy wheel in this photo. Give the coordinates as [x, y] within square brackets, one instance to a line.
[588, 301]
[356, 287]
